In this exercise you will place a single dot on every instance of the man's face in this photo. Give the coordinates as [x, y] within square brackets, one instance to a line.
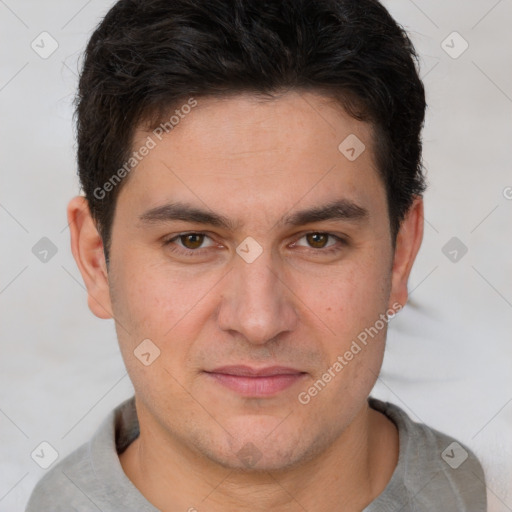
[299, 304]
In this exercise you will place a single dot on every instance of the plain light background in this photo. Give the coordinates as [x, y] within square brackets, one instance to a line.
[448, 361]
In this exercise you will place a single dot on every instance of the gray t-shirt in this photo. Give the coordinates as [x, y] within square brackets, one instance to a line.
[434, 472]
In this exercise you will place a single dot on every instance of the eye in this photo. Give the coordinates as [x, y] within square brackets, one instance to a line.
[319, 240]
[190, 242]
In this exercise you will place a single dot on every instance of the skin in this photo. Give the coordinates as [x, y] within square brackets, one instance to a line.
[254, 162]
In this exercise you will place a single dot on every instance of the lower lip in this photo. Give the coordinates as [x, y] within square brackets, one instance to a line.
[257, 386]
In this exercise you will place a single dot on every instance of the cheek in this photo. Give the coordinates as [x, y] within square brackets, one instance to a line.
[153, 303]
[151, 297]
[351, 305]
[348, 299]
[168, 306]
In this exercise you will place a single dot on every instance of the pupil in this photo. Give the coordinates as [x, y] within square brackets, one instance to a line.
[320, 239]
[189, 241]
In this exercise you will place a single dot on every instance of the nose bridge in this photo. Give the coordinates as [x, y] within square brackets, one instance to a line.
[256, 303]
[258, 282]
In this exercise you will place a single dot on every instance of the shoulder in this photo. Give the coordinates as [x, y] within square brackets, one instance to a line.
[91, 478]
[434, 470]
[59, 489]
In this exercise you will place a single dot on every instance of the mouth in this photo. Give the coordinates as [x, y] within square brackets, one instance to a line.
[256, 382]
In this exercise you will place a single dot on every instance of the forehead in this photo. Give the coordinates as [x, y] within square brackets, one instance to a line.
[239, 123]
[245, 149]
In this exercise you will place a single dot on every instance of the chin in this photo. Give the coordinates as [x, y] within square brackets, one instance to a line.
[261, 447]
[251, 459]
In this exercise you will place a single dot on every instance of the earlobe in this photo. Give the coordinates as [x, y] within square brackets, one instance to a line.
[408, 243]
[87, 249]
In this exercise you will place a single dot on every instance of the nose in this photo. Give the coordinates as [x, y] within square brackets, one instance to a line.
[257, 303]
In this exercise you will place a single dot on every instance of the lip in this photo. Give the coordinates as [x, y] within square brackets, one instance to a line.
[256, 382]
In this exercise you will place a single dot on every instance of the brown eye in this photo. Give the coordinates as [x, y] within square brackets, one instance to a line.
[189, 244]
[320, 243]
[192, 240]
[317, 240]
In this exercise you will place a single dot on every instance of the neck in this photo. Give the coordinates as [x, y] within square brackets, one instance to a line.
[349, 475]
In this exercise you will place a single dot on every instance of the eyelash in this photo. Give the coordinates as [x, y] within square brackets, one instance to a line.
[193, 252]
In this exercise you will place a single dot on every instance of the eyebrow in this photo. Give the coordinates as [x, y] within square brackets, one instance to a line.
[342, 209]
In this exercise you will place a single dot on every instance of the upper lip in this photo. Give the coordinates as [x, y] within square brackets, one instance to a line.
[248, 371]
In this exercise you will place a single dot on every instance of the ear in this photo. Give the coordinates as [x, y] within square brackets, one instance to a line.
[87, 249]
[407, 246]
